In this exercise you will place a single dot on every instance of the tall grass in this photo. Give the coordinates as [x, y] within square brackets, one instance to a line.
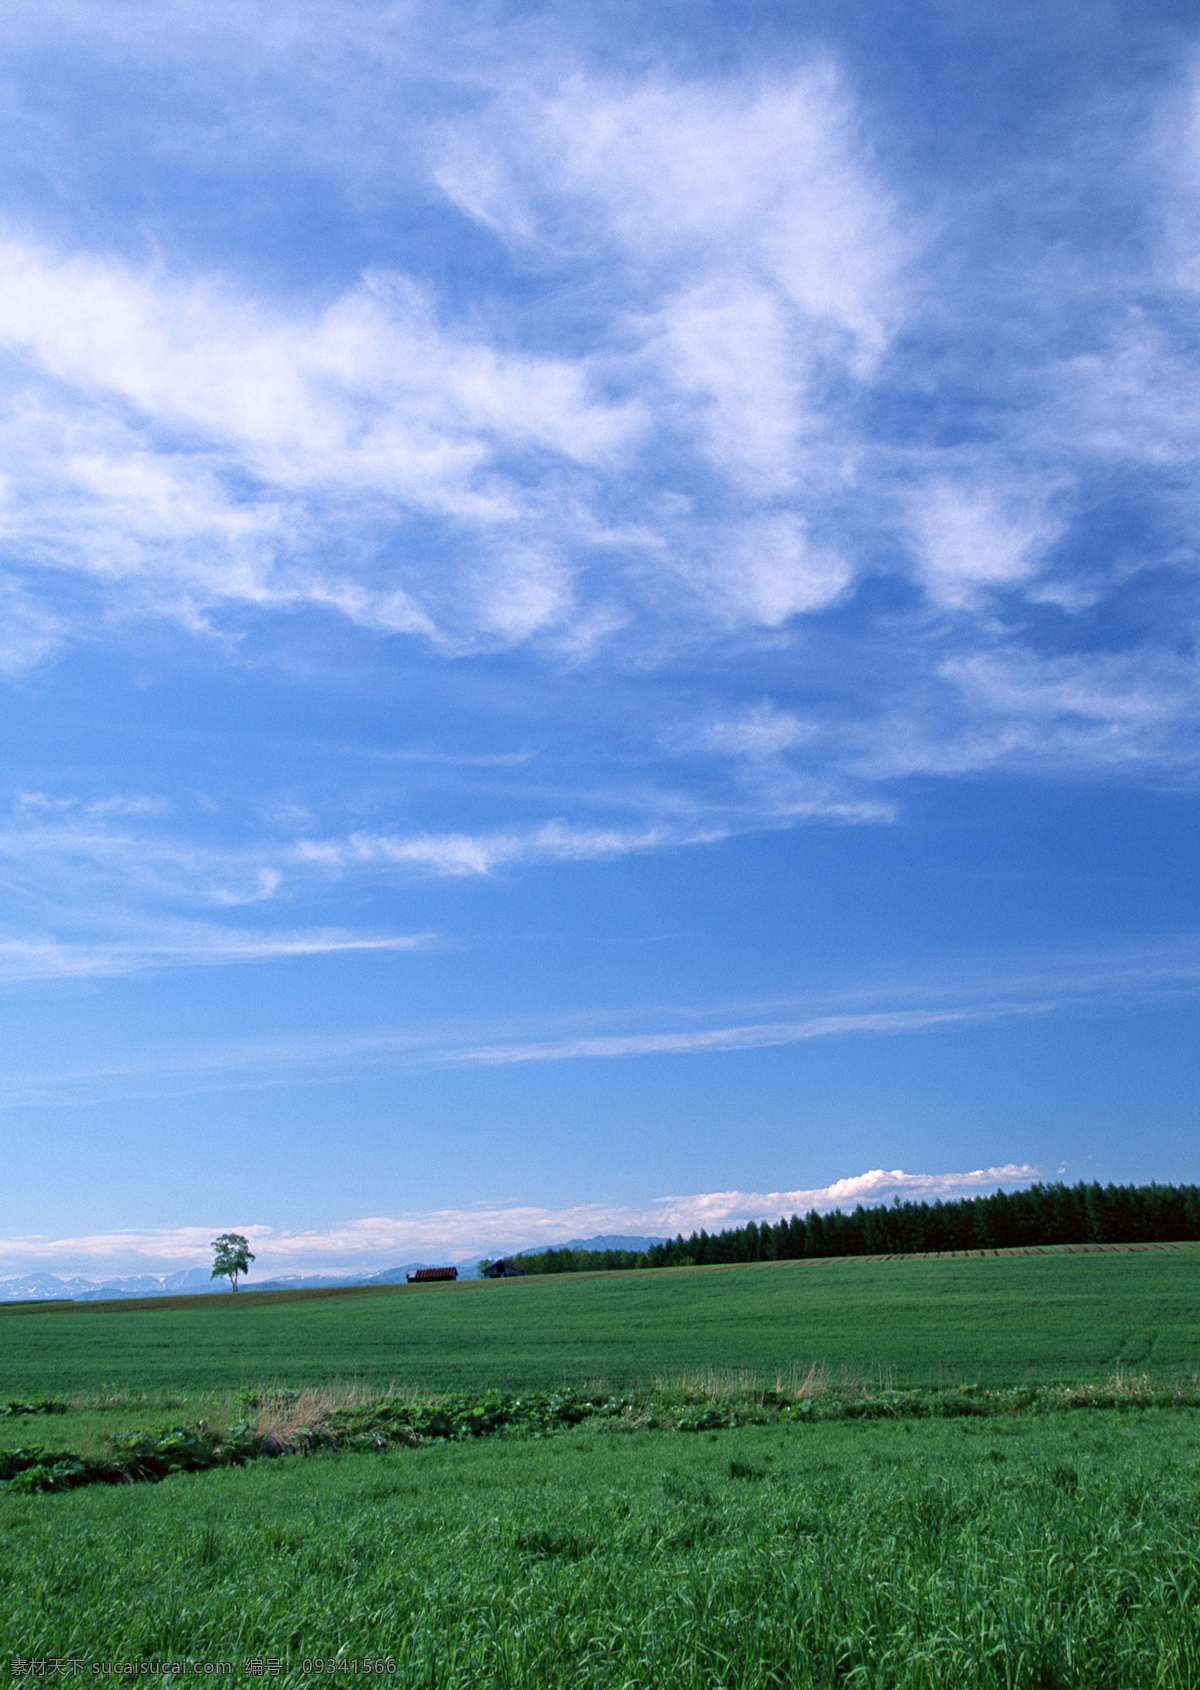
[1007, 1554]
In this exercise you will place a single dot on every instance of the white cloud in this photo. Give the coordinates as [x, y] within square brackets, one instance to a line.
[763, 1035]
[1092, 708]
[665, 420]
[972, 539]
[763, 731]
[381, 1241]
[1130, 404]
[181, 945]
[734, 176]
[30, 633]
[290, 428]
[1176, 153]
[463, 854]
[1007, 707]
[295, 391]
[194, 449]
[351, 424]
[727, 349]
[773, 572]
[760, 262]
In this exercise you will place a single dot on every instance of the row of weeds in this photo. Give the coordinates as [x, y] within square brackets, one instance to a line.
[256, 1424]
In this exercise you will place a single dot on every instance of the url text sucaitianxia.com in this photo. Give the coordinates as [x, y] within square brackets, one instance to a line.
[70, 1666]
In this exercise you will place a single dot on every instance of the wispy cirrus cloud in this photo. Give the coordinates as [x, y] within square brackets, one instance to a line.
[460, 854]
[183, 945]
[131, 886]
[118, 849]
[959, 996]
[755, 1035]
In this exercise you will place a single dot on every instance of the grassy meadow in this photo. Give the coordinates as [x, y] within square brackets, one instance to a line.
[1028, 1552]
[1028, 1549]
[1056, 1315]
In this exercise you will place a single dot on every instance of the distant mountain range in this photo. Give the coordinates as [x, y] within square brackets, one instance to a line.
[602, 1241]
[49, 1288]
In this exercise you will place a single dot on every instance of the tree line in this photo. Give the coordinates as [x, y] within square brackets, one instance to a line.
[1038, 1215]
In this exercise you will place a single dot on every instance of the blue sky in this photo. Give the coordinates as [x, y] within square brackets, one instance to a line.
[597, 616]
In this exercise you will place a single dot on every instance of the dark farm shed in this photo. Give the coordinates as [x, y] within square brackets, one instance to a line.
[505, 1268]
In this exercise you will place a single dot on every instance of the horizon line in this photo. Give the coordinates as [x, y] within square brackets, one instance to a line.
[363, 1246]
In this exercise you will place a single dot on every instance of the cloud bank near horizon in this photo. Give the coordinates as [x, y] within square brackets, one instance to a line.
[378, 1242]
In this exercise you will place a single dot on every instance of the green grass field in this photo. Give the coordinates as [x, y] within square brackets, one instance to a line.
[1029, 1551]
[992, 1319]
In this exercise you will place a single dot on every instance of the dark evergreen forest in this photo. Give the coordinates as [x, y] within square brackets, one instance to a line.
[1039, 1215]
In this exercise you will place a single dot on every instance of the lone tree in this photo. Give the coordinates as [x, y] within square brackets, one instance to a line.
[232, 1256]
